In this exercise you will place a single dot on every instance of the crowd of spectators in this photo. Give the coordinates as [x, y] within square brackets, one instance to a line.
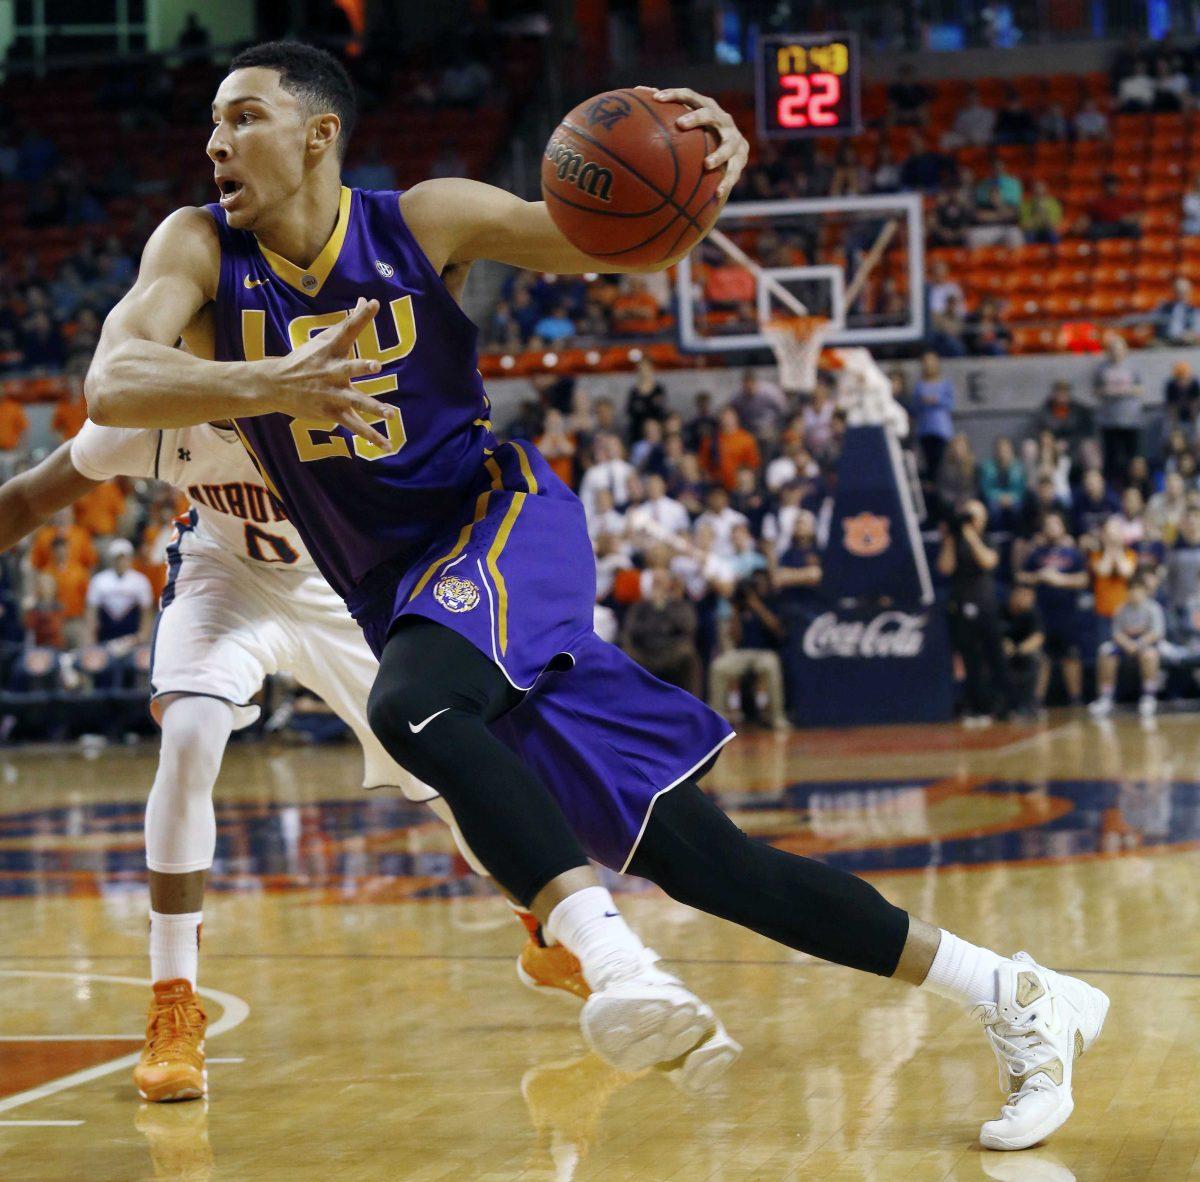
[1071, 548]
[78, 601]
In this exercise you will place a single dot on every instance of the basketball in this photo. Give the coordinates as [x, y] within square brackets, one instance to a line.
[624, 183]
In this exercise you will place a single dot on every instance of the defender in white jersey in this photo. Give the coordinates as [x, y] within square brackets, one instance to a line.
[243, 600]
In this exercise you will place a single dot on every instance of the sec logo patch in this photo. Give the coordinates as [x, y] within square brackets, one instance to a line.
[455, 594]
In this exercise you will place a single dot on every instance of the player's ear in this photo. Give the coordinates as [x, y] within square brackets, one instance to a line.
[323, 133]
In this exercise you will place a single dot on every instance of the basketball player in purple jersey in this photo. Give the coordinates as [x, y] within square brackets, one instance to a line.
[351, 375]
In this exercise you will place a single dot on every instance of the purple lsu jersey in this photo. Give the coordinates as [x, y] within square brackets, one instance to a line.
[479, 537]
[356, 515]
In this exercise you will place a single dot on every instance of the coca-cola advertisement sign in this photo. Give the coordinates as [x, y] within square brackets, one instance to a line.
[888, 634]
[860, 664]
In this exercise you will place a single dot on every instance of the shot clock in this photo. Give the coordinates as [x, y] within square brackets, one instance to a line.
[808, 85]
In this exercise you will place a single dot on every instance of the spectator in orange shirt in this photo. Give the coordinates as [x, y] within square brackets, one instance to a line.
[1113, 567]
[13, 424]
[69, 416]
[635, 310]
[732, 447]
[80, 547]
[557, 446]
[100, 510]
[70, 578]
[44, 616]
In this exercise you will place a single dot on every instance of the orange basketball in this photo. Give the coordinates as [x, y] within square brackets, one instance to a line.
[625, 184]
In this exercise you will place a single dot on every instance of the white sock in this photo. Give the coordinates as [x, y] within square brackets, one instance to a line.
[963, 973]
[175, 946]
[588, 924]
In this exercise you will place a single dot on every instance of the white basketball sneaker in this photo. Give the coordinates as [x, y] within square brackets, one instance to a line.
[639, 1016]
[1042, 1022]
[698, 1069]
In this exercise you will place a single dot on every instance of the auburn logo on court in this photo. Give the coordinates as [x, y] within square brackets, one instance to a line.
[867, 535]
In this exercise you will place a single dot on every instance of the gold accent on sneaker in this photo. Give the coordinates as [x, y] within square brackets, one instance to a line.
[1078, 1043]
[1052, 1070]
[1029, 989]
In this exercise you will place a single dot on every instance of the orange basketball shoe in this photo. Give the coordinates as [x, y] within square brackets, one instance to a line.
[172, 1062]
[545, 969]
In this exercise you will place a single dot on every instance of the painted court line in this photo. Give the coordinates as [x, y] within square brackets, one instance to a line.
[69, 1037]
[234, 1013]
[1033, 740]
[40, 1124]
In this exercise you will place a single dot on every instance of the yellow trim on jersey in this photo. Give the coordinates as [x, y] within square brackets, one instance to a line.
[294, 276]
[497, 475]
[257, 462]
[526, 471]
[464, 536]
[498, 545]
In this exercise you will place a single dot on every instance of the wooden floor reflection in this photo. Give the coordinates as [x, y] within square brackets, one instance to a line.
[388, 1038]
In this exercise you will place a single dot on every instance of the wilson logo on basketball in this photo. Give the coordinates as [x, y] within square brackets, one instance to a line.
[587, 176]
[867, 535]
[607, 110]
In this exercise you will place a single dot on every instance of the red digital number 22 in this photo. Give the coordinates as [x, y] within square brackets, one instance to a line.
[809, 101]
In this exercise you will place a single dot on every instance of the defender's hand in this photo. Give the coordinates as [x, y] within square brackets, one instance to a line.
[313, 381]
[733, 151]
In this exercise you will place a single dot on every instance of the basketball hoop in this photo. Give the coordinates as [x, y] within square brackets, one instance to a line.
[796, 342]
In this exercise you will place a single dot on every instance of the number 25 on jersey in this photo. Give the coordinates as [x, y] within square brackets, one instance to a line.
[321, 439]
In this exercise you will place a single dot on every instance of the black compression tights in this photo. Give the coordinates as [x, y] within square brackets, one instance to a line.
[695, 853]
[429, 707]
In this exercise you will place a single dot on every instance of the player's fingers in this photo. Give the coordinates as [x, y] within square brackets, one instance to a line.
[342, 336]
[733, 173]
[370, 408]
[359, 426]
[722, 153]
[700, 117]
[357, 367]
[679, 94]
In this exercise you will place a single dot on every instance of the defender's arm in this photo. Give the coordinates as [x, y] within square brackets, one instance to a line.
[32, 498]
[457, 221]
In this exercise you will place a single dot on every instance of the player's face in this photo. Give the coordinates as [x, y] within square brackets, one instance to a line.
[258, 145]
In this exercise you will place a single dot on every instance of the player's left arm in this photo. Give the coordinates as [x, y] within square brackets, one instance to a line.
[32, 498]
[458, 221]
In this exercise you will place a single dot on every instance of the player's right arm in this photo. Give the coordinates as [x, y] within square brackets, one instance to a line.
[138, 378]
[29, 500]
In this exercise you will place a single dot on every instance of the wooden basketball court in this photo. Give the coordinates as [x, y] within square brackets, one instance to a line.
[367, 1024]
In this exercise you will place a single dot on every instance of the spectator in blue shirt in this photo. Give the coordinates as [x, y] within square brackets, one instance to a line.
[933, 403]
[554, 327]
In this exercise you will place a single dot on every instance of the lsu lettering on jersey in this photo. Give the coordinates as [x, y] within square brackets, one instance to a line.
[356, 505]
[232, 510]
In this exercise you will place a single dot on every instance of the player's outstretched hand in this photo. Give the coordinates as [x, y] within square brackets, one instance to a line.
[313, 381]
[733, 151]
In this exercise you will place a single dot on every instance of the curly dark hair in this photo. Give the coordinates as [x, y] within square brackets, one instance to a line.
[317, 78]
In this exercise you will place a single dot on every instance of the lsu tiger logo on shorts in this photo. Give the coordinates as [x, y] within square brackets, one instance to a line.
[867, 535]
[455, 594]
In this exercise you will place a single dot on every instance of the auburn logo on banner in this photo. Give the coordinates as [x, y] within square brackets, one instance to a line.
[866, 535]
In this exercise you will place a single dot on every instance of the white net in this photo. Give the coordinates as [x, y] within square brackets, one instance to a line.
[864, 391]
[796, 342]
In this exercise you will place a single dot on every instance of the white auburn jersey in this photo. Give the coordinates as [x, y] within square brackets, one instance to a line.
[243, 598]
[231, 508]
